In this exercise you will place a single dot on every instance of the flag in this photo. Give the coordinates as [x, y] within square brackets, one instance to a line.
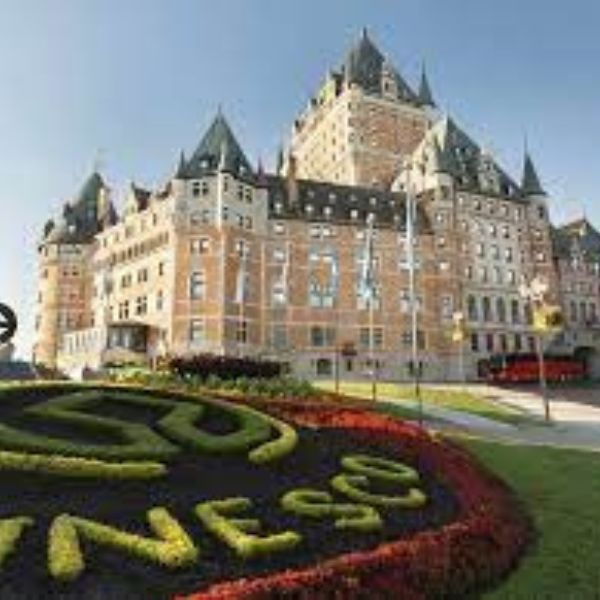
[285, 273]
[367, 277]
[241, 281]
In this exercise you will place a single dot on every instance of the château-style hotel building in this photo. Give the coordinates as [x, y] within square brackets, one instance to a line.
[229, 259]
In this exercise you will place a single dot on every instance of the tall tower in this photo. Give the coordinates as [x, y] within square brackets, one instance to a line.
[362, 122]
[65, 251]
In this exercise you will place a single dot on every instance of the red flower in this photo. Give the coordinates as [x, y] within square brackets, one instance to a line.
[474, 551]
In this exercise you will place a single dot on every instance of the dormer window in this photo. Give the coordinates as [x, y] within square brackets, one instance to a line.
[309, 209]
[373, 201]
[204, 164]
[354, 214]
[327, 211]
[332, 196]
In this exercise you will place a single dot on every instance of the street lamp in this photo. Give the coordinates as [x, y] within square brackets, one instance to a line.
[535, 293]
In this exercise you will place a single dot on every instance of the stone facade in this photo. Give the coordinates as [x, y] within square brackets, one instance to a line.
[227, 259]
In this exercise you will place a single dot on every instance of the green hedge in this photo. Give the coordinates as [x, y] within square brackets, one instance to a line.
[10, 533]
[69, 466]
[353, 486]
[240, 534]
[320, 505]
[139, 441]
[380, 468]
[174, 548]
[181, 424]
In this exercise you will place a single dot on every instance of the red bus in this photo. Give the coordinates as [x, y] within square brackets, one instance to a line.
[524, 368]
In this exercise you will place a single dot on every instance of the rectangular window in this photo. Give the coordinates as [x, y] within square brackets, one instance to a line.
[141, 305]
[197, 285]
[197, 330]
[365, 339]
[241, 334]
[321, 336]
[200, 246]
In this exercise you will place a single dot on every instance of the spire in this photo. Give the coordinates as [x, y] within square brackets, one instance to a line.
[530, 183]
[181, 167]
[425, 95]
[439, 162]
[218, 149]
[280, 160]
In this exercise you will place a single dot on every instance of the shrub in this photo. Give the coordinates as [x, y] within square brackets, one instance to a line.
[278, 448]
[140, 441]
[10, 533]
[380, 468]
[351, 486]
[239, 534]
[69, 466]
[319, 505]
[174, 549]
[224, 367]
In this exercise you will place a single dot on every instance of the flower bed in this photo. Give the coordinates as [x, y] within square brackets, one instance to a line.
[469, 554]
[127, 492]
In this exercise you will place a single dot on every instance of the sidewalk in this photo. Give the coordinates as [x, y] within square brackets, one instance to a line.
[574, 425]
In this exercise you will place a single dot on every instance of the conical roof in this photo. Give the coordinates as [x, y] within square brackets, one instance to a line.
[81, 218]
[530, 184]
[364, 65]
[209, 155]
[425, 95]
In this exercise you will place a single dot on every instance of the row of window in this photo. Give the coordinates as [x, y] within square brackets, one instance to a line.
[139, 307]
[499, 310]
[129, 231]
[502, 343]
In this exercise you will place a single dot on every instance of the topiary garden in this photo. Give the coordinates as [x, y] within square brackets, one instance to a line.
[117, 492]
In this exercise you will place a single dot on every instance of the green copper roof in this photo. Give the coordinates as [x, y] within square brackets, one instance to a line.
[218, 149]
[530, 184]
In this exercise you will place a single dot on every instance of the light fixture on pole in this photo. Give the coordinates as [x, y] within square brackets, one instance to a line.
[535, 293]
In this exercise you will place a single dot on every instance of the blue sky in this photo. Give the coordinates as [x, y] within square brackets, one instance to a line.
[133, 81]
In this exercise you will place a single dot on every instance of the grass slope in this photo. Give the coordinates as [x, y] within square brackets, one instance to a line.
[561, 489]
[453, 399]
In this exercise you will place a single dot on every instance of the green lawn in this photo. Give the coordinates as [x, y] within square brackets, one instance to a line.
[454, 399]
[561, 488]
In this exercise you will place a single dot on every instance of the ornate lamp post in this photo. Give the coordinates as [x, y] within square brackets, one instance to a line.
[546, 319]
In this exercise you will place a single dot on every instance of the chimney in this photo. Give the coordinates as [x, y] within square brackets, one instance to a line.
[291, 180]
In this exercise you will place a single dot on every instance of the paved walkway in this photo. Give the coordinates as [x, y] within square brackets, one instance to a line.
[574, 424]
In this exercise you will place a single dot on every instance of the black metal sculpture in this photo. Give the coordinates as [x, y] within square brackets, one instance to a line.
[8, 323]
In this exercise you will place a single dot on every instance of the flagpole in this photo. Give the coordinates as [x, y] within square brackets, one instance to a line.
[371, 298]
[410, 251]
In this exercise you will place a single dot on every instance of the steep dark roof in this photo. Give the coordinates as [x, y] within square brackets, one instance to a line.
[364, 66]
[81, 219]
[218, 149]
[464, 159]
[579, 236]
[425, 95]
[530, 184]
[388, 207]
